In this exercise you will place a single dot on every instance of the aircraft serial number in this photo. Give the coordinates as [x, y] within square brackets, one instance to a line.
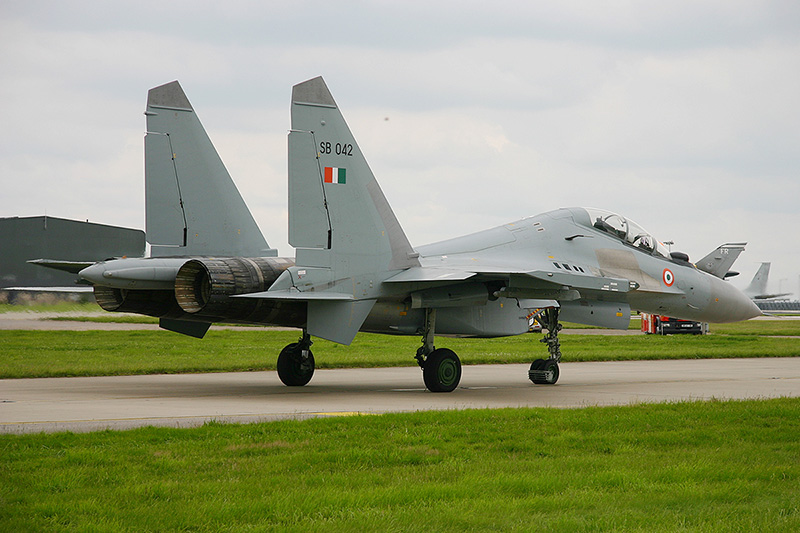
[326, 147]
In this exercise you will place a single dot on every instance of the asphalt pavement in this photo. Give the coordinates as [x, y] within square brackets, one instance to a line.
[187, 400]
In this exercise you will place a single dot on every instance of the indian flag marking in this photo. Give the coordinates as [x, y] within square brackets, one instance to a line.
[334, 175]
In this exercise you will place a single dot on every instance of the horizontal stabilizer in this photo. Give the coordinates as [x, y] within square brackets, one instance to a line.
[73, 267]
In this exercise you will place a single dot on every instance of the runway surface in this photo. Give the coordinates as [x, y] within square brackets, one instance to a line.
[186, 400]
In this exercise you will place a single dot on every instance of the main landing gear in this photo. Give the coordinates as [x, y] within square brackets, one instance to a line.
[441, 368]
[545, 371]
[296, 362]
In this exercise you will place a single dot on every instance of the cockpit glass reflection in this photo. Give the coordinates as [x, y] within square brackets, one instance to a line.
[626, 230]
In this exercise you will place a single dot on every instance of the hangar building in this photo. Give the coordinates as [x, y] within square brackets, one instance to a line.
[44, 237]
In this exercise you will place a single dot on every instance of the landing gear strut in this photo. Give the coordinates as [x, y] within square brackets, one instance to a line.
[296, 362]
[441, 369]
[545, 371]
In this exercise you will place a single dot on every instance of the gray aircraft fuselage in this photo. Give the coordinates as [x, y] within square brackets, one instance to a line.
[564, 243]
[553, 245]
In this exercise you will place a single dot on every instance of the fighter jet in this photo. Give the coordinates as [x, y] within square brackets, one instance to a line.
[355, 270]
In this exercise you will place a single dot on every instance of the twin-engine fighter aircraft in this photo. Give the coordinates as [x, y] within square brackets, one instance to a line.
[355, 270]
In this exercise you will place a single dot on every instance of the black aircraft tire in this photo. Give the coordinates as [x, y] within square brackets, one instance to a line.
[442, 371]
[536, 365]
[551, 366]
[292, 369]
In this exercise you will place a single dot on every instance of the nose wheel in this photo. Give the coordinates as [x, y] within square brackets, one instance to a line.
[545, 371]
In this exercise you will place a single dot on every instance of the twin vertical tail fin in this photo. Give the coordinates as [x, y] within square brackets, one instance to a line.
[758, 285]
[719, 262]
[338, 215]
[347, 239]
[192, 205]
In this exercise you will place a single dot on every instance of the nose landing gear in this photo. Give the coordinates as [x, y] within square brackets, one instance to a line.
[545, 371]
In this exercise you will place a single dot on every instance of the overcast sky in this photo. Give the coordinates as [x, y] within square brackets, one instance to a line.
[683, 116]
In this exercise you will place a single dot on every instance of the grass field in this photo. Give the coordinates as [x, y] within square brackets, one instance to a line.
[715, 466]
[88, 353]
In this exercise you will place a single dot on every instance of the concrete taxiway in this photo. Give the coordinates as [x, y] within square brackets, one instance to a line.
[185, 400]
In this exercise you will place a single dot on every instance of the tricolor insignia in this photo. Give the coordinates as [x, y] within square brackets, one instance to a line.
[334, 175]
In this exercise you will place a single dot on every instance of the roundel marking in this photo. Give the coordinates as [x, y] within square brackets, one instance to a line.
[669, 277]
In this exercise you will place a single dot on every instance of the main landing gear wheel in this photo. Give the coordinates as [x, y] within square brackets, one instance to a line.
[296, 364]
[442, 370]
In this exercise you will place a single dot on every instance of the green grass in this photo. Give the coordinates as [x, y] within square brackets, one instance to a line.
[58, 307]
[110, 319]
[711, 466]
[776, 326]
[90, 353]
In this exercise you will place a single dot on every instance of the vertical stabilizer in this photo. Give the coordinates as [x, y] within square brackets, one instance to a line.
[192, 205]
[719, 262]
[347, 239]
[758, 285]
[338, 215]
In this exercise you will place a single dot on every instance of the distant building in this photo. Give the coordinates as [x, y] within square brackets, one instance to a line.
[43, 237]
[778, 305]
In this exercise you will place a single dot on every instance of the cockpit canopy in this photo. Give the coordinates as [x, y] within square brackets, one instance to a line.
[626, 230]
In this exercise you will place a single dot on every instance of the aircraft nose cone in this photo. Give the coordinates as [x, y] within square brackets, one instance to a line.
[732, 305]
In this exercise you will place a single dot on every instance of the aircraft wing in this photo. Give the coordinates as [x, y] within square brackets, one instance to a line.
[770, 296]
[586, 282]
[577, 294]
[534, 279]
[294, 294]
[430, 274]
